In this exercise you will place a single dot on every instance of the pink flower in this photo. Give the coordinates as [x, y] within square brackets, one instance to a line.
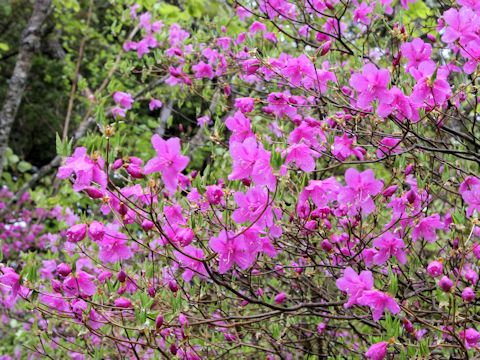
[154, 104]
[203, 70]
[240, 127]
[113, 247]
[470, 190]
[360, 13]
[245, 104]
[388, 146]
[77, 233]
[389, 245]
[251, 159]
[416, 52]
[214, 195]
[169, 161]
[9, 283]
[80, 284]
[354, 285]
[253, 206]
[461, 25]
[426, 228]
[96, 231]
[123, 99]
[298, 69]
[359, 191]
[435, 268]
[86, 170]
[232, 250]
[401, 106]
[191, 262]
[432, 91]
[55, 302]
[471, 337]
[342, 148]
[303, 157]
[203, 121]
[371, 85]
[377, 351]
[378, 301]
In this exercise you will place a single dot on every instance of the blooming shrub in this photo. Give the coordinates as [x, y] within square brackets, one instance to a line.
[338, 216]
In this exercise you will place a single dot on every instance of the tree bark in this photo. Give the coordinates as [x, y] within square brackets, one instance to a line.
[29, 45]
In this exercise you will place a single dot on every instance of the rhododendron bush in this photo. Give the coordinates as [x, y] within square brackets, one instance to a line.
[326, 206]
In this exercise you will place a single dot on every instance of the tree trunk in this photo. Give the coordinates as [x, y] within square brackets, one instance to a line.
[30, 43]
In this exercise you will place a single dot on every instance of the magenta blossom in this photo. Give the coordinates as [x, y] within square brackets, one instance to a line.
[378, 301]
[86, 170]
[303, 157]
[190, 261]
[253, 206]
[123, 99]
[80, 284]
[114, 247]
[416, 52]
[471, 338]
[169, 161]
[426, 228]
[343, 148]
[232, 250]
[354, 284]
[371, 85]
[240, 127]
[154, 104]
[361, 186]
[389, 245]
[251, 159]
[203, 70]
[435, 268]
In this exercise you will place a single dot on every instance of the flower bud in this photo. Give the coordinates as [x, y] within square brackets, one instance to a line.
[123, 303]
[117, 164]
[431, 38]
[64, 269]
[468, 295]
[445, 284]
[389, 191]
[326, 245]
[409, 169]
[123, 209]
[172, 285]
[326, 48]
[77, 233]
[121, 276]
[280, 298]
[408, 326]
[151, 291]
[93, 192]
[56, 285]
[147, 225]
[159, 321]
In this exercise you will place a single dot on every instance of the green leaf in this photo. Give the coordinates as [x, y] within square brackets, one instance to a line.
[23, 166]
